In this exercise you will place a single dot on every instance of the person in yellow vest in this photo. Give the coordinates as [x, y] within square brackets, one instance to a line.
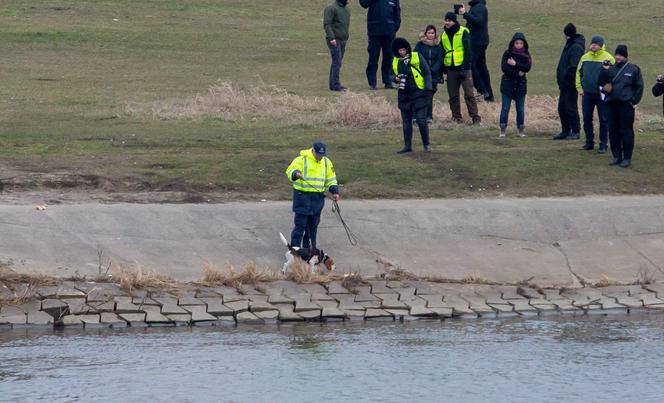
[457, 62]
[413, 75]
[311, 173]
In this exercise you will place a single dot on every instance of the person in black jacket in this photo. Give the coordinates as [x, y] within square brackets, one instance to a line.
[477, 20]
[516, 63]
[413, 75]
[622, 84]
[568, 105]
[658, 88]
[383, 22]
[429, 48]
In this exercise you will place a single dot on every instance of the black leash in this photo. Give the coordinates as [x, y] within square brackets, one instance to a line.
[352, 238]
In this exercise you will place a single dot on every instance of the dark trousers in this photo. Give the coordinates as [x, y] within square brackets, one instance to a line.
[337, 55]
[481, 76]
[588, 104]
[434, 86]
[417, 111]
[520, 103]
[454, 82]
[376, 44]
[305, 230]
[621, 129]
[568, 110]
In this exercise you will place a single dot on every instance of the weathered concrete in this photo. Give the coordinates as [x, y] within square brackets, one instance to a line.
[560, 242]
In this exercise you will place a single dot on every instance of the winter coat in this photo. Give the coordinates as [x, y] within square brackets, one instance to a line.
[658, 91]
[467, 50]
[569, 61]
[626, 82]
[514, 83]
[336, 20]
[433, 53]
[587, 73]
[383, 17]
[477, 20]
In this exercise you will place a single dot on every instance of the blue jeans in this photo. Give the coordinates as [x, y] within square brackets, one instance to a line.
[337, 54]
[588, 104]
[520, 103]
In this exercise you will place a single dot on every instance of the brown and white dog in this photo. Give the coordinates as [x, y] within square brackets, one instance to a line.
[310, 256]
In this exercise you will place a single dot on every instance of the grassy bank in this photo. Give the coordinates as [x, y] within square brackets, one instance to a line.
[98, 96]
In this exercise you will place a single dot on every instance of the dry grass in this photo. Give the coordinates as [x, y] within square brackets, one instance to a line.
[301, 273]
[250, 274]
[130, 279]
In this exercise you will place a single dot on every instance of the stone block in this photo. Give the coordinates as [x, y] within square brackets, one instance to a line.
[65, 290]
[380, 287]
[153, 315]
[551, 293]
[391, 301]
[399, 314]
[502, 308]
[371, 304]
[206, 292]
[216, 308]
[523, 307]
[199, 313]
[248, 317]
[272, 315]
[18, 319]
[305, 305]
[286, 313]
[102, 306]
[529, 292]
[335, 287]
[189, 301]
[279, 299]
[630, 302]
[313, 288]
[169, 309]
[238, 306]
[443, 312]
[421, 311]
[71, 321]
[111, 319]
[563, 304]
[332, 312]
[649, 298]
[126, 305]
[180, 318]
[310, 315]
[321, 297]
[372, 314]
[39, 318]
[354, 314]
[78, 306]
[258, 298]
[91, 320]
[260, 306]
[133, 317]
[55, 307]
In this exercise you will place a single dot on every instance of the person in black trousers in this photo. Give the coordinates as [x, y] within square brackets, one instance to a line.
[383, 22]
[658, 88]
[336, 20]
[477, 20]
[622, 84]
[568, 105]
[429, 47]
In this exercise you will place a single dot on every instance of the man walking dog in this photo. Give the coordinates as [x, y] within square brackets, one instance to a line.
[311, 173]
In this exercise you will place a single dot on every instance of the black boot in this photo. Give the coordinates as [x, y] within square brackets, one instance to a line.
[561, 136]
[625, 163]
[615, 161]
[405, 150]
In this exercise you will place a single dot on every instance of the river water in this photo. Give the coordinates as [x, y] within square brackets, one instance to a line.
[582, 359]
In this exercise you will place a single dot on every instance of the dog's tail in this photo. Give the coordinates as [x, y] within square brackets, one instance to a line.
[283, 239]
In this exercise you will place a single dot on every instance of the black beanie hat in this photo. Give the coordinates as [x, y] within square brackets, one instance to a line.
[450, 16]
[570, 30]
[621, 50]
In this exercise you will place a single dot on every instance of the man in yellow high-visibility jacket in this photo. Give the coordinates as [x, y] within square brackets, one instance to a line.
[311, 173]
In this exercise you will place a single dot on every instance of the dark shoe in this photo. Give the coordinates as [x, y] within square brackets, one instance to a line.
[625, 163]
[615, 161]
[477, 121]
[601, 150]
[561, 136]
[574, 136]
[588, 147]
[488, 97]
[372, 87]
[427, 149]
[340, 89]
[405, 150]
[389, 87]
[429, 121]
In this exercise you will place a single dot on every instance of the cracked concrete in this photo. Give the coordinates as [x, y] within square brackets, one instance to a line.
[505, 240]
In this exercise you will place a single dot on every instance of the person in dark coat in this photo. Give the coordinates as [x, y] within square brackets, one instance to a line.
[413, 75]
[383, 22]
[516, 63]
[429, 48]
[477, 20]
[658, 88]
[336, 20]
[568, 105]
[622, 84]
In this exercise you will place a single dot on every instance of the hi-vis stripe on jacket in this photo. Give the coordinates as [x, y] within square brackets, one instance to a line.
[587, 73]
[318, 176]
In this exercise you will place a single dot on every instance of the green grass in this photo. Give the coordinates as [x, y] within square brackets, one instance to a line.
[69, 69]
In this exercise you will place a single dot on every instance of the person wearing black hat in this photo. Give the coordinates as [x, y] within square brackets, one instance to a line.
[457, 60]
[477, 21]
[311, 173]
[568, 106]
[383, 22]
[413, 75]
[658, 88]
[622, 84]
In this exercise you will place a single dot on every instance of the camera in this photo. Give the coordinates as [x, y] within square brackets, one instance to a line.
[606, 63]
[457, 7]
[402, 81]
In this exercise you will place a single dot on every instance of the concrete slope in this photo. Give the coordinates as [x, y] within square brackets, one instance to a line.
[550, 241]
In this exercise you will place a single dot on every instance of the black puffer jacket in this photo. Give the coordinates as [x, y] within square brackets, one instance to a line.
[477, 20]
[514, 83]
[626, 82]
[658, 91]
[569, 61]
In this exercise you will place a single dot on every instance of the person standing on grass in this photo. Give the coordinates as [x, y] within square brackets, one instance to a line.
[623, 85]
[429, 48]
[457, 58]
[311, 173]
[568, 102]
[336, 21]
[477, 21]
[658, 88]
[516, 63]
[413, 75]
[383, 23]
[587, 75]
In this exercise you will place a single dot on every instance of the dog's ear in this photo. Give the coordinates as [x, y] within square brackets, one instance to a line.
[329, 263]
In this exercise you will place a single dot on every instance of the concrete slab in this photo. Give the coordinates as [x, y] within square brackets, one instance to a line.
[39, 318]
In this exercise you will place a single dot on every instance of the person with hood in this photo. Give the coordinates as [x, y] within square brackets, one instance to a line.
[336, 20]
[587, 75]
[477, 21]
[658, 88]
[622, 84]
[412, 73]
[383, 22]
[568, 105]
[457, 59]
[516, 63]
[429, 48]
[311, 173]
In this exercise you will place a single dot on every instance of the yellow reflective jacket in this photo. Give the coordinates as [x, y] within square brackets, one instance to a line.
[453, 52]
[414, 68]
[318, 175]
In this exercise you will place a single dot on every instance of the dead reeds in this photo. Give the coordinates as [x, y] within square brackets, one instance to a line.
[230, 277]
[130, 279]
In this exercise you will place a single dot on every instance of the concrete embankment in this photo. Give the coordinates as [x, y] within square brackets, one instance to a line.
[551, 242]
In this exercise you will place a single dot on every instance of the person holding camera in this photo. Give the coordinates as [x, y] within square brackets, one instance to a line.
[587, 75]
[568, 102]
[457, 59]
[429, 48]
[658, 88]
[336, 20]
[477, 21]
[516, 63]
[413, 75]
[383, 22]
[622, 84]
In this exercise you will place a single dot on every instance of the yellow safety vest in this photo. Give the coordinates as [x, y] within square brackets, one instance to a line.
[318, 175]
[454, 49]
[414, 67]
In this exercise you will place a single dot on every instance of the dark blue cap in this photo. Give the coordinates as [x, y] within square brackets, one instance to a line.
[319, 148]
